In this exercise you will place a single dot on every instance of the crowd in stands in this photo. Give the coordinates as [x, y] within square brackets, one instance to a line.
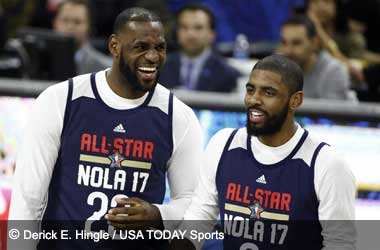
[334, 41]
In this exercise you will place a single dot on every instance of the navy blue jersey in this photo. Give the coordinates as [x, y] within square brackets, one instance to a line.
[268, 206]
[107, 153]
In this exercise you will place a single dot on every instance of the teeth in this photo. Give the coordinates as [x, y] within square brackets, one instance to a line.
[255, 113]
[147, 69]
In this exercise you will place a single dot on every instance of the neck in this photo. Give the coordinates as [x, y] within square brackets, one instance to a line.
[121, 86]
[281, 137]
[308, 66]
[195, 55]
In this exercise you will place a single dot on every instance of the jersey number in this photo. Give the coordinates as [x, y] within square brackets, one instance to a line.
[97, 215]
[104, 202]
[249, 246]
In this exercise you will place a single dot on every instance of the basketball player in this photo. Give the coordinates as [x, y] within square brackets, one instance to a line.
[99, 139]
[274, 184]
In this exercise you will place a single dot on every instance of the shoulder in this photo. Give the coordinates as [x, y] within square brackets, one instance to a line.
[221, 137]
[82, 86]
[91, 51]
[54, 93]
[332, 165]
[333, 176]
[310, 148]
[331, 64]
[330, 160]
[182, 113]
[91, 55]
[172, 57]
[222, 67]
[221, 62]
[50, 107]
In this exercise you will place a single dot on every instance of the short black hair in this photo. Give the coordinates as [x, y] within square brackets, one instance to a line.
[291, 72]
[84, 3]
[302, 20]
[134, 14]
[196, 7]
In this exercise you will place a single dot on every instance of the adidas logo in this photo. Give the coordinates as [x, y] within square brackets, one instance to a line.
[119, 128]
[261, 180]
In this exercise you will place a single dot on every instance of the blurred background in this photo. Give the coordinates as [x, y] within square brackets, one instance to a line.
[212, 46]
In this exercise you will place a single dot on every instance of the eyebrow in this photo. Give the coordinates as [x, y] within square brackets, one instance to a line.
[263, 87]
[139, 41]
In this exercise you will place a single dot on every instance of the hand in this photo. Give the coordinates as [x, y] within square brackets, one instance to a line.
[314, 18]
[134, 214]
[355, 72]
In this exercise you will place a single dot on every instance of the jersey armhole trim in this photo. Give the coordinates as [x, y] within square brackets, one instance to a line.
[225, 149]
[68, 105]
[170, 125]
[316, 152]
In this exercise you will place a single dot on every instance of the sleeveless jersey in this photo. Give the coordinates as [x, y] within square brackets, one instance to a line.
[268, 206]
[107, 153]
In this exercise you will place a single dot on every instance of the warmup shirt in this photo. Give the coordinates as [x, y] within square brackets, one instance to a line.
[275, 197]
[91, 146]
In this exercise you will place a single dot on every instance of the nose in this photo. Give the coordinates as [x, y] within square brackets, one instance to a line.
[286, 50]
[152, 55]
[253, 99]
[191, 33]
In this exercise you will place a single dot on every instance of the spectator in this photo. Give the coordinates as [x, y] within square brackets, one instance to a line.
[364, 21]
[325, 76]
[73, 18]
[365, 16]
[196, 66]
[260, 20]
[354, 42]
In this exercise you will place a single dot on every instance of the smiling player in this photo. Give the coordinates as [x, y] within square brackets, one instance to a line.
[97, 140]
[274, 185]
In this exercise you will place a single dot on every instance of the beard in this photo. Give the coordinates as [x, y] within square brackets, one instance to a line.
[271, 125]
[131, 77]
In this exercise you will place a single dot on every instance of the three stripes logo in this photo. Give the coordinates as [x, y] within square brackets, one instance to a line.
[119, 129]
[261, 180]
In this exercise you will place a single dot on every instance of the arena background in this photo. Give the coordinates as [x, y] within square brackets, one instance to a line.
[354, 129]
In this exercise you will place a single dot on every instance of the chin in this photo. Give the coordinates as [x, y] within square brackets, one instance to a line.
[148, 86]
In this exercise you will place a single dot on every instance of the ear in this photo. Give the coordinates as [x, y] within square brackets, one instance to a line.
[316, 43]
[55, 22]
[212, 37]
[296, 100]
[114, 45]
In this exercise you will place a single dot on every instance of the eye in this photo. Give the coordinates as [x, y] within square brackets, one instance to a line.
[270, 93]
[250, 90]
[161, 47]
[140, 46]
